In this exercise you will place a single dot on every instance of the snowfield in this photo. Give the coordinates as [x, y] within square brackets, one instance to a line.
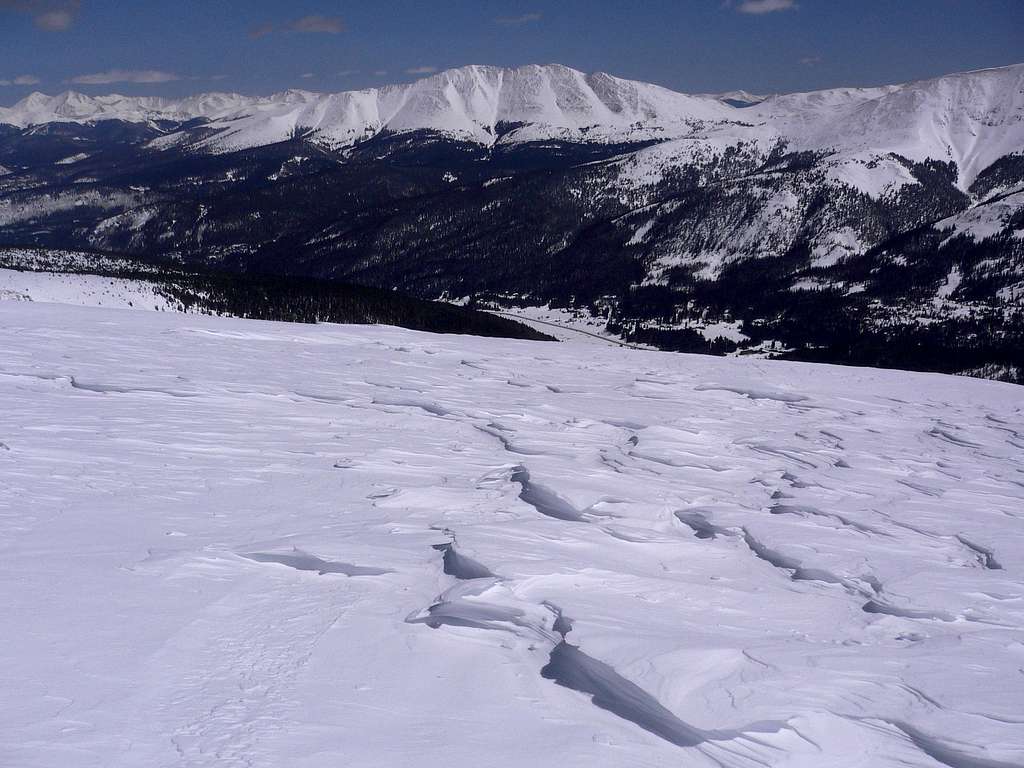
[86, 290]
[238, 543]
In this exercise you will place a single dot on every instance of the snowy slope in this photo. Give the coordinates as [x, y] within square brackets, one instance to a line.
[83, 290]
[237, 543]
[988, 219]
[971, 119]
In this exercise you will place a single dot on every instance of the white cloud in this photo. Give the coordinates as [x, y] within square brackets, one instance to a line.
[49, 15]
[307, 75]
[21, 80]
[328, 24]
[421, 70]
[126, 76]
[55, 21]
[766, 6]
[810, 61]
[515, 21]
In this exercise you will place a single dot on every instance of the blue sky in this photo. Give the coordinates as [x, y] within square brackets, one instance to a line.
[261, 46]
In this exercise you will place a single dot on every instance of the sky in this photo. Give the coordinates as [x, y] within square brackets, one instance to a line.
[696, 46]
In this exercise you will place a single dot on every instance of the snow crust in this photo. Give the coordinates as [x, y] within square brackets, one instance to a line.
[239, 543]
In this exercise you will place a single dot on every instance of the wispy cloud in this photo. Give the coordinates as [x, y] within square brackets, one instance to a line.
[327, 24]
[126, 76]
[810, 61]
[21, 80]
[421, 70]
[758, 7]
[330, 25]
[261, 30]
[516, 21]
[49, 15]
[307, 75]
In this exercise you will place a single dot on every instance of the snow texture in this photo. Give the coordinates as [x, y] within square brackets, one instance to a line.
[239, 543]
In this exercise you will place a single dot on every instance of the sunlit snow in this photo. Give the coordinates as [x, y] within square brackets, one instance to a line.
[238, 543]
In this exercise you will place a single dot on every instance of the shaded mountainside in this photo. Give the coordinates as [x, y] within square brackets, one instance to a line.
[272, 297]
[811, 226]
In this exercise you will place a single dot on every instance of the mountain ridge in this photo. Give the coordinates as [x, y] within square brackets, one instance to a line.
[970, 118]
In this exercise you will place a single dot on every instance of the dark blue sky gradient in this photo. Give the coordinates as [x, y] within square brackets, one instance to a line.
[688, 45]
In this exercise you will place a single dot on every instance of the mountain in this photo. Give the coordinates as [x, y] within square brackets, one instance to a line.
[880, 226]
[472, 103]
[971, 118]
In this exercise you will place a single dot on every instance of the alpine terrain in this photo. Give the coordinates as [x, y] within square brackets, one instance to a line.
[880, 226]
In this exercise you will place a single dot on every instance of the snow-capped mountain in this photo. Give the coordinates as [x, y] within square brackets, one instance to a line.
[870, 225]
[469, 103]
[971, 118]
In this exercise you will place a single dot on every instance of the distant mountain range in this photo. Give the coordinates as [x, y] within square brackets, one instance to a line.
[880, 226]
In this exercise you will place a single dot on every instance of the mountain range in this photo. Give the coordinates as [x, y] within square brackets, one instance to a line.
[880, 226]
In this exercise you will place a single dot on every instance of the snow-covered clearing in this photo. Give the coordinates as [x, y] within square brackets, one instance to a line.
[86, 290]
[237, 543]
[574, 325]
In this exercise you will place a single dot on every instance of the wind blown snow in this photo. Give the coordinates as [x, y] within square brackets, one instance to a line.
[238, 543]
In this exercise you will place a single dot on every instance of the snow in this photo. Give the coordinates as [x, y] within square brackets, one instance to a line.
[984, 220]
[834, 246]
[952, 282]
[641, 233]
[239, 543]
[875, 175]
[969, 118]
[649, 166]
[73, 159]
[722, 329]
[565, 324]
[779, 213]
[83, 290]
